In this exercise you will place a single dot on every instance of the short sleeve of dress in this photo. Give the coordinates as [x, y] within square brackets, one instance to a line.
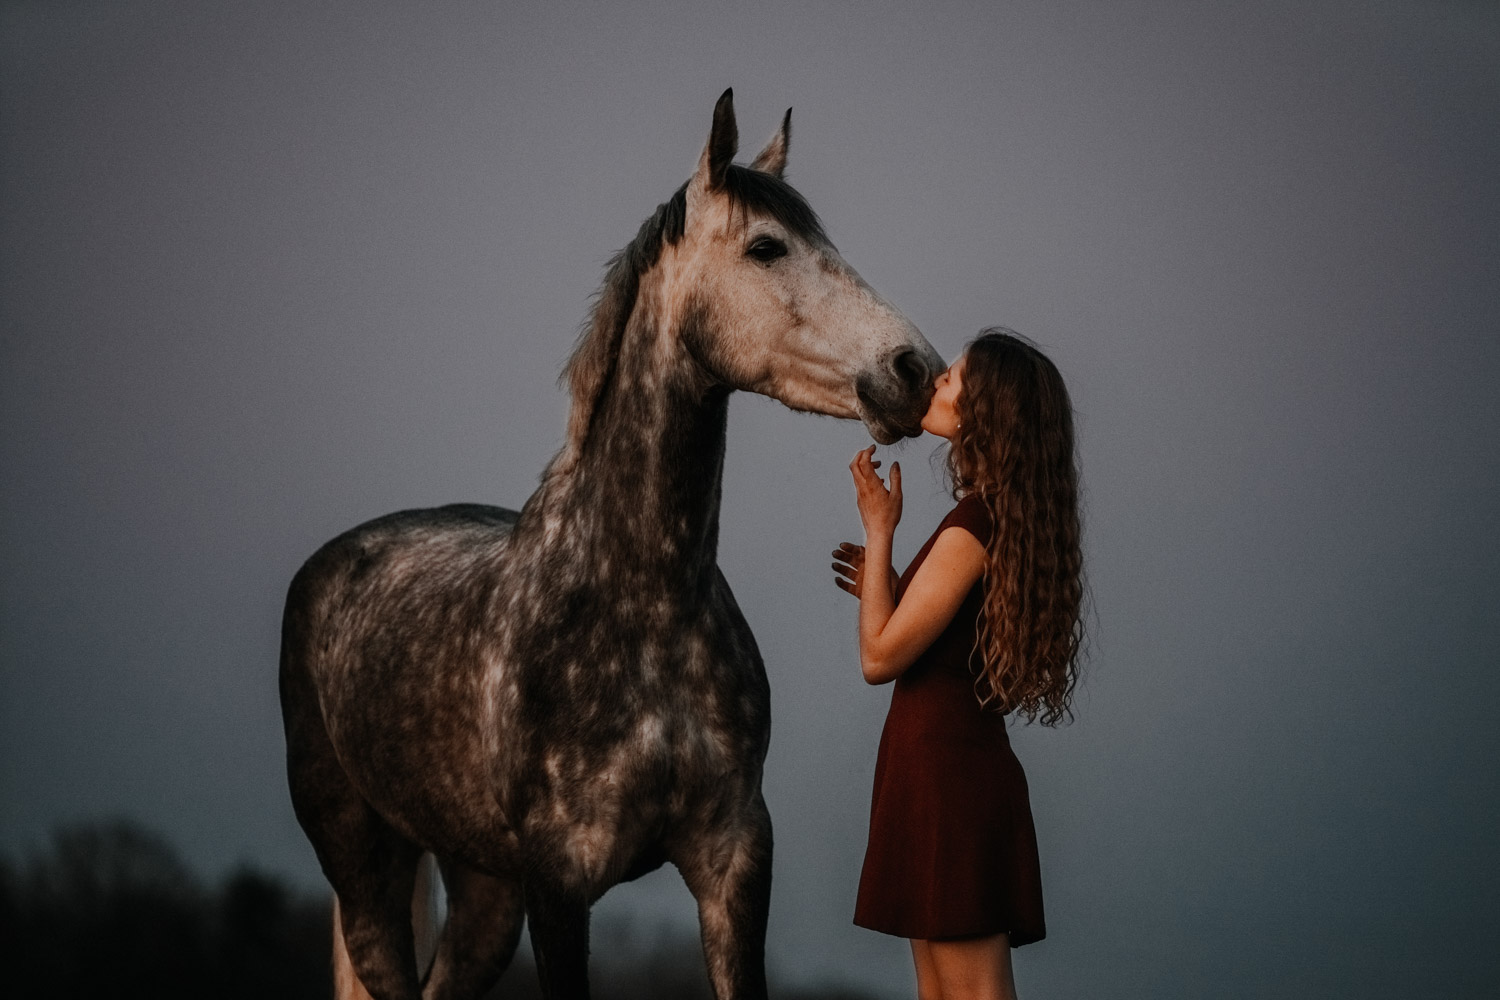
[973, 516]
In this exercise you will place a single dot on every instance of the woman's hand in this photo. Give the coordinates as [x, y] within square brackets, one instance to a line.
[879, 508]
[849, 562]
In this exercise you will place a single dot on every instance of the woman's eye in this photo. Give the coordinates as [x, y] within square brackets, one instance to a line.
[766, 249]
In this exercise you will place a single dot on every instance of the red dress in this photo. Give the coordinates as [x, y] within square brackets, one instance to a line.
[952, 850]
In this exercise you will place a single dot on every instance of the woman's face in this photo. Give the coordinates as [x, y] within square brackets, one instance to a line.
[942, 413]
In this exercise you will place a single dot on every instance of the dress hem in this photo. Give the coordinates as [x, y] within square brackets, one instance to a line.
[1018, 938]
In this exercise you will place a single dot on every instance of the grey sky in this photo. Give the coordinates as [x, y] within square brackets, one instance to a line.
[267, 270]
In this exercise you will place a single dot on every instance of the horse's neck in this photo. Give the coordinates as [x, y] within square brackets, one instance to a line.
[641, 500]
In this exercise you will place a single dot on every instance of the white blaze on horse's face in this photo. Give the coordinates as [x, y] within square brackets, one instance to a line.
[769, 305]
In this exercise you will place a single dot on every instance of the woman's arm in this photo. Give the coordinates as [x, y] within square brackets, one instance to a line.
[891, 637]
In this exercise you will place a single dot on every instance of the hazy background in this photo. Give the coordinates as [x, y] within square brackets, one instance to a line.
[270, 269]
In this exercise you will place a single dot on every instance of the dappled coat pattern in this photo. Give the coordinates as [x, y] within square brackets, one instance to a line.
[555, 700]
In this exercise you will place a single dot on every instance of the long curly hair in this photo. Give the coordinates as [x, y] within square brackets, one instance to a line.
[1015, 450]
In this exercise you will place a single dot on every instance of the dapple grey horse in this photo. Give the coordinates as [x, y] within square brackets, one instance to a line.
[556, 700]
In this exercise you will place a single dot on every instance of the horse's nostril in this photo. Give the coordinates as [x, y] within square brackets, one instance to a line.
[908, 369]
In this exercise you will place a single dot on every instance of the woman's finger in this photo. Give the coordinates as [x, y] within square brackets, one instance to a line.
[861, 468]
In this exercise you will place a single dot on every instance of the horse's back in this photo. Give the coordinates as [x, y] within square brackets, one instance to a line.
[392, 559]
[474, 522]
[448, 533]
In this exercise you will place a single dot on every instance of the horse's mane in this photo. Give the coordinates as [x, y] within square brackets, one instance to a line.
[592, 362]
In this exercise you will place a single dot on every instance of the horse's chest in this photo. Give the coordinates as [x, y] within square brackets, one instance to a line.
[633, 746]
[623, 661]
[641, 735]
[630, 718]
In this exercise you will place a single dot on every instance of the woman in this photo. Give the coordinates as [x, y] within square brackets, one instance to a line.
[984, 622]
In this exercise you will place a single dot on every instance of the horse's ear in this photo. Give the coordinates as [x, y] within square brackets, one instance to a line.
[723, 141]
[772, 159]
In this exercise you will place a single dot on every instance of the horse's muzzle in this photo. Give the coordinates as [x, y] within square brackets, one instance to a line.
[894, 397]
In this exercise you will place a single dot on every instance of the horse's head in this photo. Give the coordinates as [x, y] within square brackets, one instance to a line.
[766, 303]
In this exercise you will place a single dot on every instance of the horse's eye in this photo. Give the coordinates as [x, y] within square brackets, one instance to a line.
[766, 249]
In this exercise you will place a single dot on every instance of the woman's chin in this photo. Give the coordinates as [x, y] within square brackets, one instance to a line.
[936, 429]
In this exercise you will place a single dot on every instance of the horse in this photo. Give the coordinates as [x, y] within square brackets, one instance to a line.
[555, 700]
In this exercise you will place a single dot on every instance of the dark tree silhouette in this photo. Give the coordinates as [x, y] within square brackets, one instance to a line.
[110, 910]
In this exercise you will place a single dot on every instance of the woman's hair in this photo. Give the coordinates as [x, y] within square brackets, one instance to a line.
[1014, 450]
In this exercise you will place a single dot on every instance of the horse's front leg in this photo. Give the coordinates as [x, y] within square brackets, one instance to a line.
[728, 870]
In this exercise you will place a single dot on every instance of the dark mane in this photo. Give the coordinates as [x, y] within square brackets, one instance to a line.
[750, 192]
[755, 193]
